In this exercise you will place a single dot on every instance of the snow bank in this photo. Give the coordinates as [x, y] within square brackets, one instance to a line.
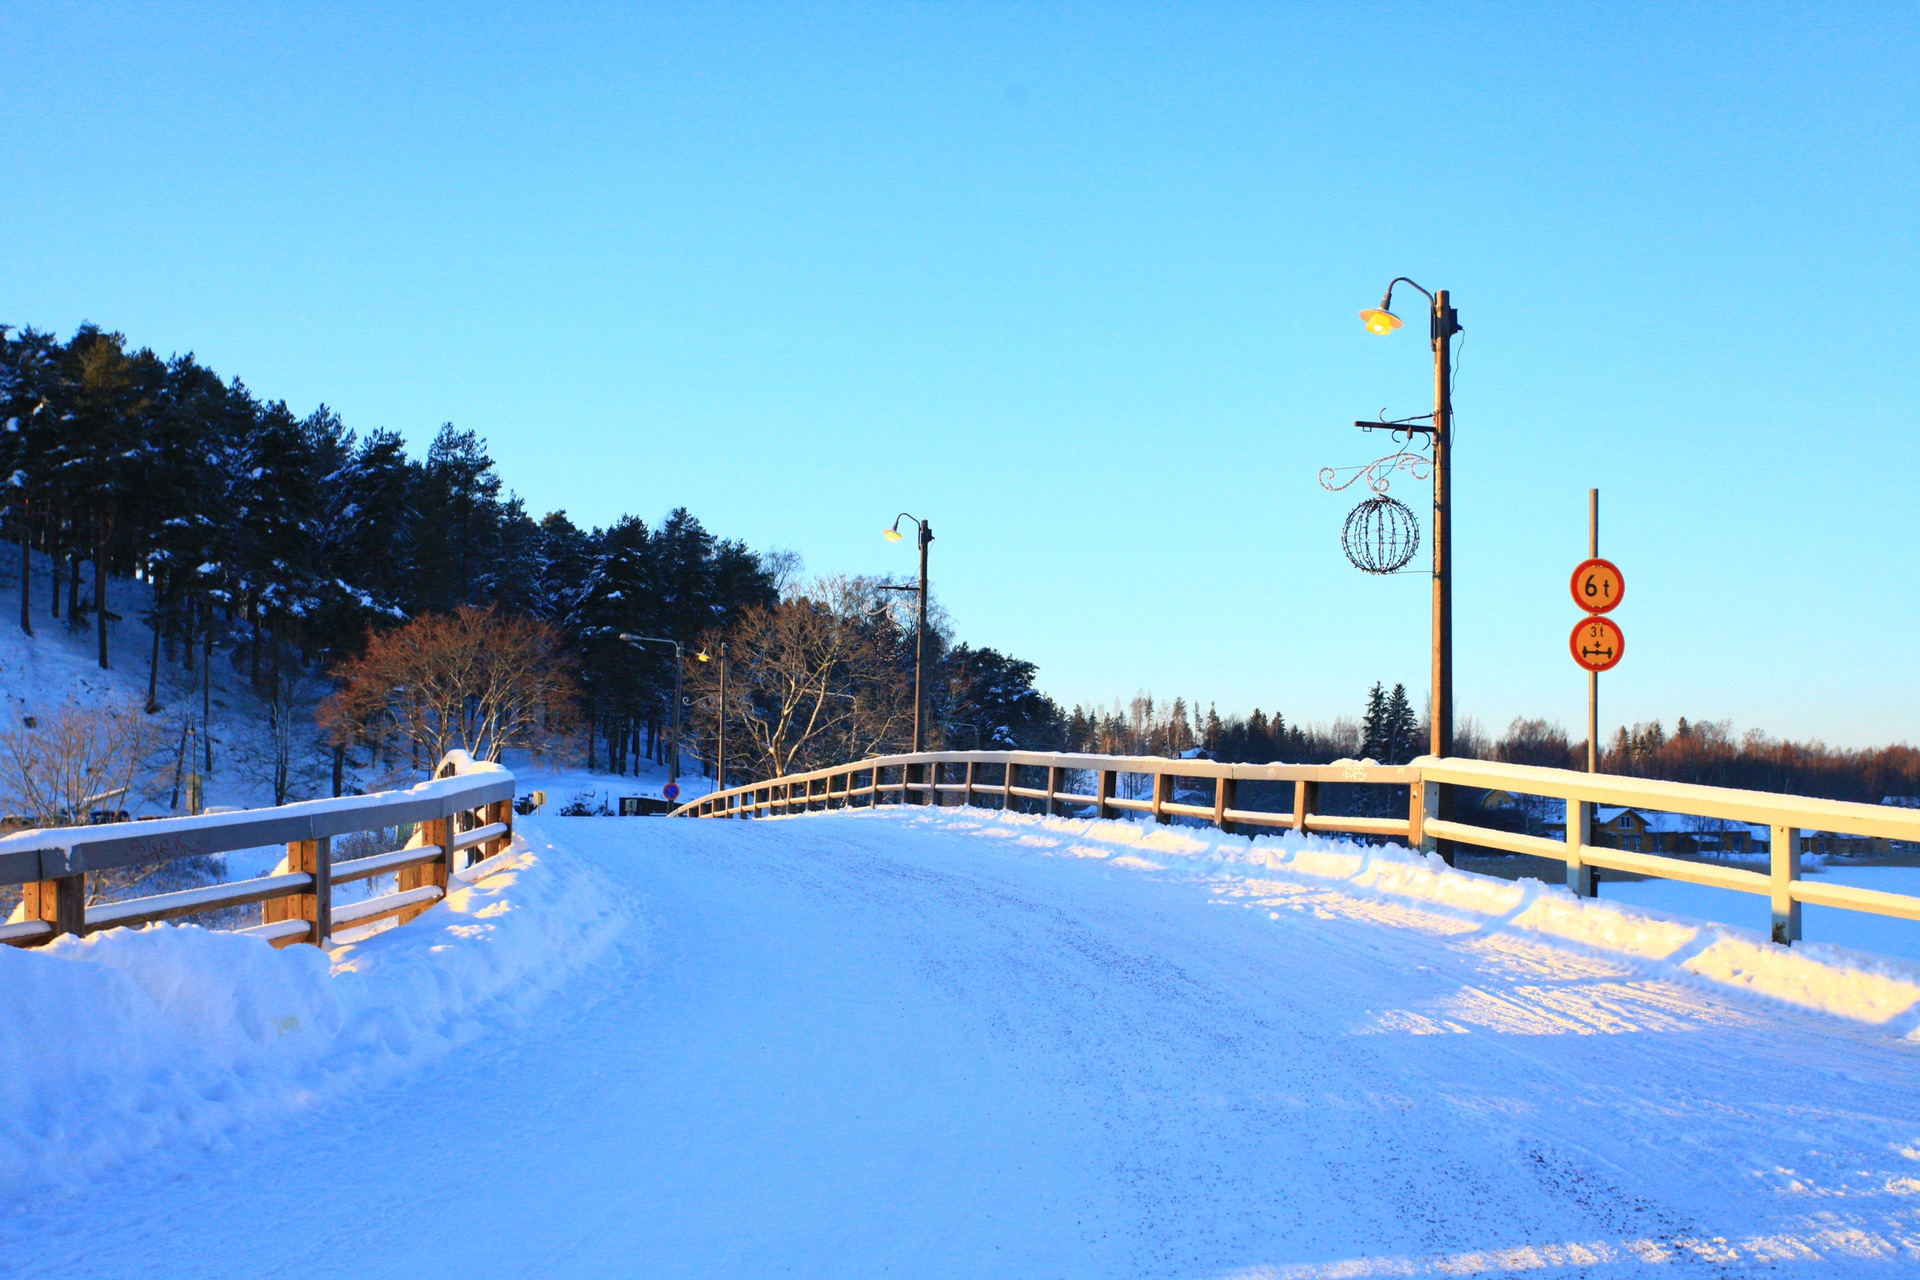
[120, 1042]
[1874, 990]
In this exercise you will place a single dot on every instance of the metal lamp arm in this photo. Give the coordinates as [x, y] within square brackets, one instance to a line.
[1386, 303]
[637, 641]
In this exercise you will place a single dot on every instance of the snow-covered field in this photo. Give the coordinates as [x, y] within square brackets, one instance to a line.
[958, 1043]
[1853, 929]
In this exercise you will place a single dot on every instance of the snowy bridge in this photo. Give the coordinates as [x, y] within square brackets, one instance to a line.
[962, 1041]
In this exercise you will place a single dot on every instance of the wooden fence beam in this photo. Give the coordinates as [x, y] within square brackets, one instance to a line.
[437, 831]
[61, 902]
[1784, 860]
[314, 858]
[1306, 799]
[1579, 836]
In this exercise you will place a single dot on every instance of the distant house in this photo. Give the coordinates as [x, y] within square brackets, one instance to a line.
[1650, 831]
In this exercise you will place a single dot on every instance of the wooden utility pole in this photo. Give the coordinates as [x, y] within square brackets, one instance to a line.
[1444, 325]
[920, 647]
[720, 752]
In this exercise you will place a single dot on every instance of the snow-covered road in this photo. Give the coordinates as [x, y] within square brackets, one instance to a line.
[952, 1044]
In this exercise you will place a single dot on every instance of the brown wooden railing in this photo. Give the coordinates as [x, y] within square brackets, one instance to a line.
[1002, 779]
[461, 819]
[971, 777]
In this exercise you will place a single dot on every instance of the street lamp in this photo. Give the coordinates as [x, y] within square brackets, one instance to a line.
[893, 534]
[679, 665]
[720, 750]
[1443, 323]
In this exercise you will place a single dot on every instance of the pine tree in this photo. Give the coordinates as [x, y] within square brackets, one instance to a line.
[1375, 741]
[458, 501]
[1402, 732]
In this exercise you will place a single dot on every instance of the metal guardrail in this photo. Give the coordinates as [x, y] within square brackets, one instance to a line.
[1001, 776]
[466, 809]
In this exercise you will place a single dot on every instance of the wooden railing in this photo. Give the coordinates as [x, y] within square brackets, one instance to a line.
[461, 820]
[1002, 778]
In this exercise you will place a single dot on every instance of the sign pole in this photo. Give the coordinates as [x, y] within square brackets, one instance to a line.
[1593, 677]
[1597, 645]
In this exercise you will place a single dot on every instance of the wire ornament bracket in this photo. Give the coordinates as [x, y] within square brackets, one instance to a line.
[1379, 473]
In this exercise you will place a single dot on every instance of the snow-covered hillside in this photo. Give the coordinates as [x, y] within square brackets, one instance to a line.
[955, 1042]
[56, 665]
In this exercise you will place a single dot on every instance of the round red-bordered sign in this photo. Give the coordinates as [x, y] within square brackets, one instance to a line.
[671, 792]
[1597, 585]
[1597, 643]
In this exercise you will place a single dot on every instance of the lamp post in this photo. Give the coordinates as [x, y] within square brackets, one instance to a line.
[720, 748]
[893, 534]
[679, 665]
[1443, 323]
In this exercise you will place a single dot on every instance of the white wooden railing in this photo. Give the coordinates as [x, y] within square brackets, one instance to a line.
[1005, 779]
[462, 820]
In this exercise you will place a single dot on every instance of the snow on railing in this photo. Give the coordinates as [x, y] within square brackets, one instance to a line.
[462, 819]
[1000, 775]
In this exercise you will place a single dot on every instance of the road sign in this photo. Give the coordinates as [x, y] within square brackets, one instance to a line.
[671, 791]
[1597, 585]
[1597, 643]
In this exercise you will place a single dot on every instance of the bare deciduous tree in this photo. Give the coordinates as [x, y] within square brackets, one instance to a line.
[77, 761]
[74, 760]
[473, 678]
[821, 677]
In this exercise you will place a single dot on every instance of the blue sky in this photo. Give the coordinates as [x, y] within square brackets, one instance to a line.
[1079, 284]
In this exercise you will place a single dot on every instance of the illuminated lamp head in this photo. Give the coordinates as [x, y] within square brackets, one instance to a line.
[1380, 320]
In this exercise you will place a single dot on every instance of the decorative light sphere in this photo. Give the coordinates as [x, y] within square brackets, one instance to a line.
[1381, 535]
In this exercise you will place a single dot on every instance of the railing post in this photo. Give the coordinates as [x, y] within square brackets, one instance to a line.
[435, 831]
[1579, 836]
[1785, 863]
[314, 858]
[966, 797]
[1306, 798]
[61, 901]
[1053, 789]
[505, 842]
[1162, 792]
[1007, 775]
[932, 775]
[1103, 792]
[1226, 795]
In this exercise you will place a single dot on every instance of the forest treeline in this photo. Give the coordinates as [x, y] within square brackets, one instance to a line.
[1387, 729]
[283, 542]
